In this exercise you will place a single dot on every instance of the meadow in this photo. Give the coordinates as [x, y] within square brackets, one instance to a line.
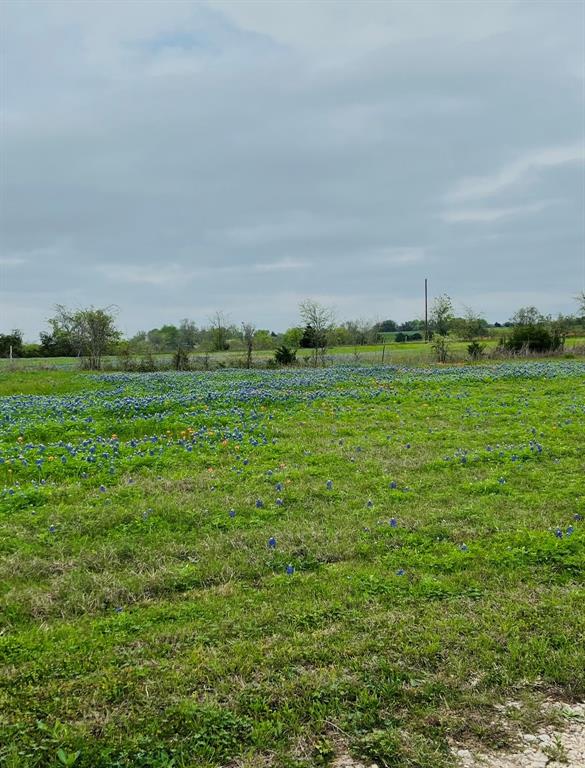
[272, 568]
[415, 353]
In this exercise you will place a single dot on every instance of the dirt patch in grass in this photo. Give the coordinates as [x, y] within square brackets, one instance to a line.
[550, 747]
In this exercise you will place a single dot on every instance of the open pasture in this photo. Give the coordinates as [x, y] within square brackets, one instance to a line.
[273, 568]
[415, 353]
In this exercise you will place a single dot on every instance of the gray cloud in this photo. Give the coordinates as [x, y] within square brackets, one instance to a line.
[175, 158]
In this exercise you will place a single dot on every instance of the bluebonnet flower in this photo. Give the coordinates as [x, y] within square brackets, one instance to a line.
[290, 569]
[102, 488]
[400, 572]
[370, 504]
[259, 503]
[232, 512]
[570, 530]
[464, 548]
[279, 502]
[52, 528]
[501, 480]
[118, 609]
[393, 484]
[272, 543]
[559, 533]
[329, 484]
[278, 486]
[393, 522]
[577, 516]
[269, 472]
[408, 445]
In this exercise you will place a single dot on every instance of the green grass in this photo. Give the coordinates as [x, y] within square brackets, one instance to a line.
[141, 625]
[397, 353]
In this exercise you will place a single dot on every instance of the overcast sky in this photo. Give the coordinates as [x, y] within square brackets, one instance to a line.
[174, 158]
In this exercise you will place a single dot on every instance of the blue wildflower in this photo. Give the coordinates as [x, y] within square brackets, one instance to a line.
[329, 484]
[259, 503]
[400, 572]
[232, 513]
[290, 569]
[393, 522]
[272, 543]
[559, 533]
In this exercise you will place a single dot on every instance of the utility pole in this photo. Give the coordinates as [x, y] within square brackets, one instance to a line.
[426, 312]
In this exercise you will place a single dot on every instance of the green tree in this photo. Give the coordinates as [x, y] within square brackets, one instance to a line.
[248, 334]
[91, 332]
[218, 331]
[263, 339]
[361, 332]
[292, 337]
[471, 326]
[441, 315]
[189, 334]
[386, 326]
[526, 316]
[56, 344]
[319, 320]
[11, 342]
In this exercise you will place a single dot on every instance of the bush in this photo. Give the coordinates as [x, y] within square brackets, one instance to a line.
[533, 338]
[181, 360]
[31, 350]
[475, 350]
[416, 336]
[146, 364]
[400, 337]
[125, 359]
[440, 347]
[283, 355]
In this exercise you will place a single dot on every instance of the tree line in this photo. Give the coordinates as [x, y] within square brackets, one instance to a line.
[90, 333]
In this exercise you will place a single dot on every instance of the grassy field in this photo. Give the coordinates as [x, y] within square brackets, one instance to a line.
[397, 353]
[273, 568]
